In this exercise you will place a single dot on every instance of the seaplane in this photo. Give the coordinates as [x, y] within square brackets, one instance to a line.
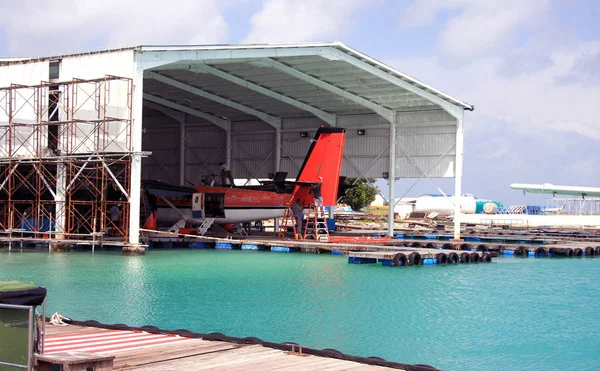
[553, 190]
[194, 208]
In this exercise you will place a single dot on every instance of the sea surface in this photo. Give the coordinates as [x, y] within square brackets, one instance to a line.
[512, 314]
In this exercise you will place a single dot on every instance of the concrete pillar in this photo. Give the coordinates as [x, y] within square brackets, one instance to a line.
[458, 172]
[136, 157]
[59, 199]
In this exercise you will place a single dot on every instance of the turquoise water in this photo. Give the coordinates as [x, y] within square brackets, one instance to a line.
[513, 314]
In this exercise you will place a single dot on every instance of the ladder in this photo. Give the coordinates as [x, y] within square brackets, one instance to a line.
[205, 225]
[288, 216]
[317, 224]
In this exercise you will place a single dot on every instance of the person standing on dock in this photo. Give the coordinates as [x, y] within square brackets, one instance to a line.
[318, 196]
[115, 219]
[226, 174]
[297, 210]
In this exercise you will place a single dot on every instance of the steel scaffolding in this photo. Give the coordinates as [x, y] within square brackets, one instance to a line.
[573, 206]
[65, 159]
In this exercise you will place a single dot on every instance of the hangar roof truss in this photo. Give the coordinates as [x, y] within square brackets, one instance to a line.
[232, 83]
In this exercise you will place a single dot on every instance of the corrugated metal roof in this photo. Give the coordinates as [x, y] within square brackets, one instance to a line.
[371, 84]
[354, 82]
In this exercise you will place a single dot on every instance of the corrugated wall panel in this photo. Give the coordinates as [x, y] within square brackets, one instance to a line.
[250, 125]
[361, 121]
[293, 151]
[423, 137]
[161, 137]
[252, 155]
[24, 101]
[205, 149]
[302, 123]
[32, 73]
[94, 66]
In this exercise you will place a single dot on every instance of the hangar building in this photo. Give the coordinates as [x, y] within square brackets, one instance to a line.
[79, 132]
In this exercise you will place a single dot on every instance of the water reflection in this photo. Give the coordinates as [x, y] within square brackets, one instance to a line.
[515, 312]
[135, 289]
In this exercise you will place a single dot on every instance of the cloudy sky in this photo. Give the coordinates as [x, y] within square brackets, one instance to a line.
[530, 67]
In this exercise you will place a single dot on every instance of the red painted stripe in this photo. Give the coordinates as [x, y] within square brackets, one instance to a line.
[116, 346]
[136, 338]
[124, 336]
[179, 341]
[87, 334]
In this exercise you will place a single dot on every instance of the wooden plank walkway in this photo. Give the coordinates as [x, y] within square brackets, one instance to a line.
[135, 350]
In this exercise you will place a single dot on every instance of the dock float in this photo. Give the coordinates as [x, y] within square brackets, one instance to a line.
[416, 257]
[149, 348]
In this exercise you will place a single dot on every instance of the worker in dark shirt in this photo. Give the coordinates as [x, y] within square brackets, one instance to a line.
[297, 210]
[316, 190]
[226, 174]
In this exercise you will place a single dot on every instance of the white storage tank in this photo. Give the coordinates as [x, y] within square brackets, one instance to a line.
[490, 208]
[444, 206]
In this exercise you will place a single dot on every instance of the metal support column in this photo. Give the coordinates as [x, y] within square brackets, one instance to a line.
[182, 152]
[277, 164]
[136, 148]
[277, 148]
[392, 175]
[458, 173]
[228, 148]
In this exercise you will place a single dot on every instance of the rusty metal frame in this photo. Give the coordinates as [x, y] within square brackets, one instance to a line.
[66, 147]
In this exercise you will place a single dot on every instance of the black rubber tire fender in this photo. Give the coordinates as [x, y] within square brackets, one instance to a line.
[332, 353]
[425, 367]
[442, 258]
[577, 252]
[465, 258]
[589, 251]
[521, 251]
[252, 340]
[486, 257]
[398, 259]
[597, 250]
[449, 246]
[415, 259]
[556, 250]
[216, 336]
[416, 244]
[465, 247]
[474, 257]
[541, 251]
[430, 245]
[452, 258]
[568, 252]
[482, 248]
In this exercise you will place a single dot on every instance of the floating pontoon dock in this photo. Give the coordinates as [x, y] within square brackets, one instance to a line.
[148, 348]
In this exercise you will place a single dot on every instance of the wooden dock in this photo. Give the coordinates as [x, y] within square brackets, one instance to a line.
[139, 350]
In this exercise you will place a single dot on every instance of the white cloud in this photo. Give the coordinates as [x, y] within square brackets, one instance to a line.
[35, 28]
[475, 28]
[291, 21]
[507, 68]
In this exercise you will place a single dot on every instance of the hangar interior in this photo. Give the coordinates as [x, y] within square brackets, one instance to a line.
[181, 110]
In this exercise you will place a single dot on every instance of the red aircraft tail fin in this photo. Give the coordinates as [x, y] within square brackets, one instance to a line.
[150, 222]
[323, 164]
